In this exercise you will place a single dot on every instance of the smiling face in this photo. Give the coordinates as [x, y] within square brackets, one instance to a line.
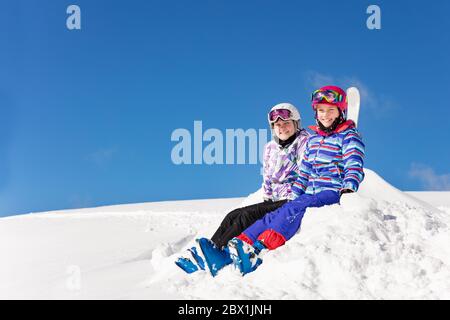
[326, 114]
[284, 129]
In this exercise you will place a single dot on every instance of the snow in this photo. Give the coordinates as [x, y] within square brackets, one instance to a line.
[380, 243]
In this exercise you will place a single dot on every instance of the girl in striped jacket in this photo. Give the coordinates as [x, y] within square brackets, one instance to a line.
[332, 165]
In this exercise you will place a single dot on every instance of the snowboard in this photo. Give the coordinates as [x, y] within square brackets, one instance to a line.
[353, 99]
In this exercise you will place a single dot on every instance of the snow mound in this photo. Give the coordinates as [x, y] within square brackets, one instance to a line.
[379, 243]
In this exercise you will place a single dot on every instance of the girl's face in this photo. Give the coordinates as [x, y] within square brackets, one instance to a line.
[326, 114]
[284, 129]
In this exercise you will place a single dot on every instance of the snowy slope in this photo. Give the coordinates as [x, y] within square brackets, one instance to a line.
[380, 243]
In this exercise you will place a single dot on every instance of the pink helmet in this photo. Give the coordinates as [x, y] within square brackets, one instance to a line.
[330, 95]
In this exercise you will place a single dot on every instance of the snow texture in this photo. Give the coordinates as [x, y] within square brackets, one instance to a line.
[379, 243]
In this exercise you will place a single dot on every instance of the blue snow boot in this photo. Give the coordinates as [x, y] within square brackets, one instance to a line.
[192, 263]
[245, 256]
[215, 258]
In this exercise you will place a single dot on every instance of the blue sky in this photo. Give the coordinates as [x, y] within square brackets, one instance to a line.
[87, 115]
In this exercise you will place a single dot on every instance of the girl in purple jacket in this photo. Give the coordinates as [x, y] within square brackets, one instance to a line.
[281, 158]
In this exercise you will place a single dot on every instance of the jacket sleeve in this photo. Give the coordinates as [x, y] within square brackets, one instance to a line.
[299, 152]
[353, 158]
[267, 184]
[302, 145]
[304, 170]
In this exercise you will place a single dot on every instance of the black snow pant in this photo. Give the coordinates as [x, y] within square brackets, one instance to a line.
[240, 219]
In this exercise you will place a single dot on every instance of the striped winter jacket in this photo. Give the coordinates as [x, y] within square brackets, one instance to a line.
[281, 167]
[331, 162]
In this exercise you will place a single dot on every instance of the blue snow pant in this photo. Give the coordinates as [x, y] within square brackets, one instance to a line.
[287, 219]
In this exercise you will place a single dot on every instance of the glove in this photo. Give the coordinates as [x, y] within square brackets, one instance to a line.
[346, 191]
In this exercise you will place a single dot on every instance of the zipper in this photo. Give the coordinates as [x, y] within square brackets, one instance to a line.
[314, 162]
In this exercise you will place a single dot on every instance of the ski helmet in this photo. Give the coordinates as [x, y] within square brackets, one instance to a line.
[331, 95]
[285, 111]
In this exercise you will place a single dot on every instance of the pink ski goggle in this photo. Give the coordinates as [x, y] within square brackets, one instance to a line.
[329, 96]
[284, 114]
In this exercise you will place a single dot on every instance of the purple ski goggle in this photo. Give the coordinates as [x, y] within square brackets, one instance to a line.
[284, 114]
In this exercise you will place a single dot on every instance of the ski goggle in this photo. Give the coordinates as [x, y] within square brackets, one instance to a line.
[284, 114]
[329, 96]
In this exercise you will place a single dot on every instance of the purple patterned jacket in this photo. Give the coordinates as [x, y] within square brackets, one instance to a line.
[281, 167]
